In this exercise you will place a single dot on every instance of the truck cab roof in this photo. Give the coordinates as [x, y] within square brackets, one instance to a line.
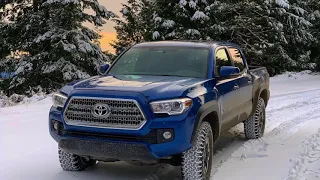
[186, 43]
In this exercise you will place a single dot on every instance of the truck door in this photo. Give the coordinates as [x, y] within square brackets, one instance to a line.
[227, 89]
[244, 81]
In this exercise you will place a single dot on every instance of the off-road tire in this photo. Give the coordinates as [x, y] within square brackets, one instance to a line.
[72, 162]
[254, 126]
[193, 163]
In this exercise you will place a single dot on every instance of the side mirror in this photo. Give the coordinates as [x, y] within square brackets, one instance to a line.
[103, 69]
[228, 71]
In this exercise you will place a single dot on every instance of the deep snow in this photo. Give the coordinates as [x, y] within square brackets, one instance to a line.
[289, 150]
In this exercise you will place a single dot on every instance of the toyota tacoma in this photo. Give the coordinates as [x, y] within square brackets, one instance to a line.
[160, 102]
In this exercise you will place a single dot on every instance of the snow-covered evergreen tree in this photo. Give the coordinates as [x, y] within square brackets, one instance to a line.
[184, 19]
[271, 32]
[110, 56]
[135, 25]
[59, 47]
[312, 12]
[4, 44]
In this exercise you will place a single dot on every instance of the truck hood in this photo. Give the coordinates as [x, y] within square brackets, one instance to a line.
[152, 87]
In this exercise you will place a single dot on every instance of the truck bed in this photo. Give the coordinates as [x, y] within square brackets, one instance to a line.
[260, 77]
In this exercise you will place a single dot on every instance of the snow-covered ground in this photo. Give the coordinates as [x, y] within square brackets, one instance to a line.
[290, 149]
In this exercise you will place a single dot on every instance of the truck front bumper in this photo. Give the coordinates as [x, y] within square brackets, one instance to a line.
[100, 149]
[146, 144]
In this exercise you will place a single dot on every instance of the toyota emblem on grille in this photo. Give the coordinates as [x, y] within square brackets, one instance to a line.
[101, 110]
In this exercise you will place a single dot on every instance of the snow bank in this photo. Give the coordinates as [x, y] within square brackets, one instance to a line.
[17, 99]
[296, 75]
[294, 82]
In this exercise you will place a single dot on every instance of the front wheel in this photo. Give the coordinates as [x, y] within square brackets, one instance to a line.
[72, 162]
[197, 162]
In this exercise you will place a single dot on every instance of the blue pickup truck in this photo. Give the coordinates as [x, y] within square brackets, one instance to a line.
[160, 102]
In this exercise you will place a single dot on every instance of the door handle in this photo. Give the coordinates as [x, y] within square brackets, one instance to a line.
[235, 87]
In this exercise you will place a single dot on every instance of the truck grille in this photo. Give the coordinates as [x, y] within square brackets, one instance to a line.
[105, 113]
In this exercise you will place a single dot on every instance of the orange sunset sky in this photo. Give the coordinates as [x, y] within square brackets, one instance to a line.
[107, 37]
[108, 31]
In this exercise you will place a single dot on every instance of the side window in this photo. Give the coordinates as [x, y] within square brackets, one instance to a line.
[237, 58]
[222, 59]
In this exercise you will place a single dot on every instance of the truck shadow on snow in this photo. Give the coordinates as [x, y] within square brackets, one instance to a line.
[224, 147]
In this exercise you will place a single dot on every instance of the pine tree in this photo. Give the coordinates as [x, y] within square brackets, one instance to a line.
[59, 48]
[4, 44]
[270, 32]
[182, 19]
[313, 14]
[4, 32]
[110, 56]
[6, 63]
[135, 26]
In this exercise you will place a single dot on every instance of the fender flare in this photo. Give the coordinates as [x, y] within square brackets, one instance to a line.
[256, 97]
[210, 107]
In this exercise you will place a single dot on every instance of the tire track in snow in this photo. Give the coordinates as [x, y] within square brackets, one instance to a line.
[297, 92]
[292, 101]
[295, 105]
[254, 147]
[286, 108]
[310, 156]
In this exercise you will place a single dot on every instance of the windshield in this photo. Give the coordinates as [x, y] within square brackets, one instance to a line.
[163, 61]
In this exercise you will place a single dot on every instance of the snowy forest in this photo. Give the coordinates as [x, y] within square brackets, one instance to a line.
[45, 44]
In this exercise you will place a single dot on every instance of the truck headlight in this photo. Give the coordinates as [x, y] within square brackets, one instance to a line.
[171, 107]
[58, 100]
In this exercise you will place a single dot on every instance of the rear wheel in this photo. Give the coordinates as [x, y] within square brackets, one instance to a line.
[72, 162]
[197, 162]
[254, 126]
